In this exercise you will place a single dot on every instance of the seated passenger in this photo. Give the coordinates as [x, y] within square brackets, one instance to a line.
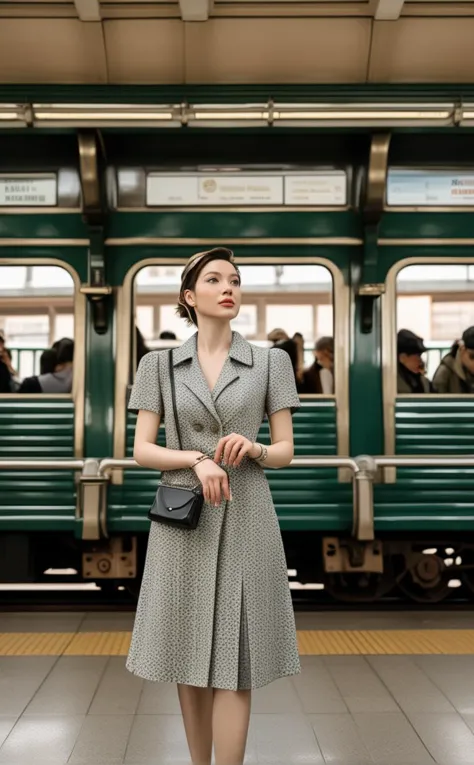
[7, 372]
[58, 381]
[455, 374]
[319, 377]
[410, 377]
[48, 361]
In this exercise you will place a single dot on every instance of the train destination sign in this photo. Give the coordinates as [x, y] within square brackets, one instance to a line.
[317, 188]
[230, 189]
[221, 189]
[28, 191]
[430, 188]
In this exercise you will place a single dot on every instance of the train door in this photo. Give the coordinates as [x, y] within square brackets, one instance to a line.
[425, 511]
[43, 262]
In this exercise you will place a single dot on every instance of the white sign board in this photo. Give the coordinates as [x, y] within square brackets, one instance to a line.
[28, 191]
[207, 190]
[323, 189]
[430, 188]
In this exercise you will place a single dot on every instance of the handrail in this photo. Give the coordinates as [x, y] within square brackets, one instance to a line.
[393, 460]
[95, 474]
[42, 464]
[106, 466]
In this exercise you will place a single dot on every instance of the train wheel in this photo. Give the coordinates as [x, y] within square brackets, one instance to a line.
[426, 580]
[360, 586]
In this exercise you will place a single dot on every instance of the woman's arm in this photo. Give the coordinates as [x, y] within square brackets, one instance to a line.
[281, 451]
[148, 454]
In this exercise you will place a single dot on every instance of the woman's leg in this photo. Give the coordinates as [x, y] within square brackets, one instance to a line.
[230, 724]
[196, 706]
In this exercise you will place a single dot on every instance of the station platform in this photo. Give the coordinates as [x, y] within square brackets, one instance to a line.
[388, 688]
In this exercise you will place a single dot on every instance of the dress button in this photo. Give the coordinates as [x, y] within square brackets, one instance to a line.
[214, 428]
[198, 427]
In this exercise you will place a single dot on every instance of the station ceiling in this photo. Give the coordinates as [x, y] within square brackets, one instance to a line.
[244, 42]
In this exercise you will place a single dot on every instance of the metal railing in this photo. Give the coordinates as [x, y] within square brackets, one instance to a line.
[95, 474]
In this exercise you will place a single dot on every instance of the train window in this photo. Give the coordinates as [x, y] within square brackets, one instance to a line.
[435, 329]
[36, 313]
[278, 301]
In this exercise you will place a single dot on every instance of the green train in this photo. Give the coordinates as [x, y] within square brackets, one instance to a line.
[348, 210]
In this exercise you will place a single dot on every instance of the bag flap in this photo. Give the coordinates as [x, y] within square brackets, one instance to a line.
[176, 498]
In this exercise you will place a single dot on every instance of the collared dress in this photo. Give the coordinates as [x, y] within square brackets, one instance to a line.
[215, 608]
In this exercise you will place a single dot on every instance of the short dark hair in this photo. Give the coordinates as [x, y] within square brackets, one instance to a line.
[65, 350]
[48, 361]
[190, 276]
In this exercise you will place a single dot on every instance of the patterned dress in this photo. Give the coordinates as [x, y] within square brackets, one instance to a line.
[215, 606]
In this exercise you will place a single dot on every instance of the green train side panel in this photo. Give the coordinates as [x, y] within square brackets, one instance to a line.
[426, 498]
[37, 500]
[305, 498]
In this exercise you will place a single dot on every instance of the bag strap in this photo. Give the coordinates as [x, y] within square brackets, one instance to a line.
[173, 396]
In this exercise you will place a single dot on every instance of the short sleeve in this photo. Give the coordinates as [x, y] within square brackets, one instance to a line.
[146, 392]
[281, 391]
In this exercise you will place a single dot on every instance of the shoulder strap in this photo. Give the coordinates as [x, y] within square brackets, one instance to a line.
[173, 396]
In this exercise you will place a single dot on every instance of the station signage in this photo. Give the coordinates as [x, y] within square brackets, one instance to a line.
[28, 191]
[430, 188]
[239, 189]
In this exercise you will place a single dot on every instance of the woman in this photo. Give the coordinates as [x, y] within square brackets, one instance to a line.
[455, 374]
[215, 612]
[59, 359]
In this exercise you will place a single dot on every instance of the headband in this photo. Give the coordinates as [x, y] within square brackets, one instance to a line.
[195, 259]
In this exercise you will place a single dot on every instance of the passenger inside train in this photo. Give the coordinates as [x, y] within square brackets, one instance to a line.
[7, 372]
[410, 377]
[455, 374]
[59, 359]
[319, 377]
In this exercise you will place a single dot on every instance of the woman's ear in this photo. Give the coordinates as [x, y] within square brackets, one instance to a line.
[189, 298]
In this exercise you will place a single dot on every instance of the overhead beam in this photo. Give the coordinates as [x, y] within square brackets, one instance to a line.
[195, 10]
[88, 10]
[388, 10]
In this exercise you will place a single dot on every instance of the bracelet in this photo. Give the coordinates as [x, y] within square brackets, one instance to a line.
[200, 459]
[263, 454]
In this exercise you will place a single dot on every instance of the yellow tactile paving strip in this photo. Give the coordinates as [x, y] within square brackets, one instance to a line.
[310, 643]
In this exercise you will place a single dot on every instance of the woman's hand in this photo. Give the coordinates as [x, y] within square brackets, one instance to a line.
[232, 449]
[215, 481]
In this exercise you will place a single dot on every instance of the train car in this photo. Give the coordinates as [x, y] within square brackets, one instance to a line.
[350, 220]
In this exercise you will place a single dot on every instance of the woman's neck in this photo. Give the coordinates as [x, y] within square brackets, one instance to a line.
[214, 337]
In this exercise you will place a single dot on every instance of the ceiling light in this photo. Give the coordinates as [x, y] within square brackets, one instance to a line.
[102, 115]
[363, 114]
[214, 115]
[13, 115]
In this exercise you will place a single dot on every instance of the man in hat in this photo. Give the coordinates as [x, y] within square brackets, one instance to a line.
[410, 377]
[455, 374]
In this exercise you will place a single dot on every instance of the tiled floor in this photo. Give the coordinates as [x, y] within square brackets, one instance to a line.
[341, 710]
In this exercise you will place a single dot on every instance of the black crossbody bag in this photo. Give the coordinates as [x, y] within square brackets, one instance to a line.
[174, 505]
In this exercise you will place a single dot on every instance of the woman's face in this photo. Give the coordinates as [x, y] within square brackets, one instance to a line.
[217, 293]
[325, 358]
[467, 359]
